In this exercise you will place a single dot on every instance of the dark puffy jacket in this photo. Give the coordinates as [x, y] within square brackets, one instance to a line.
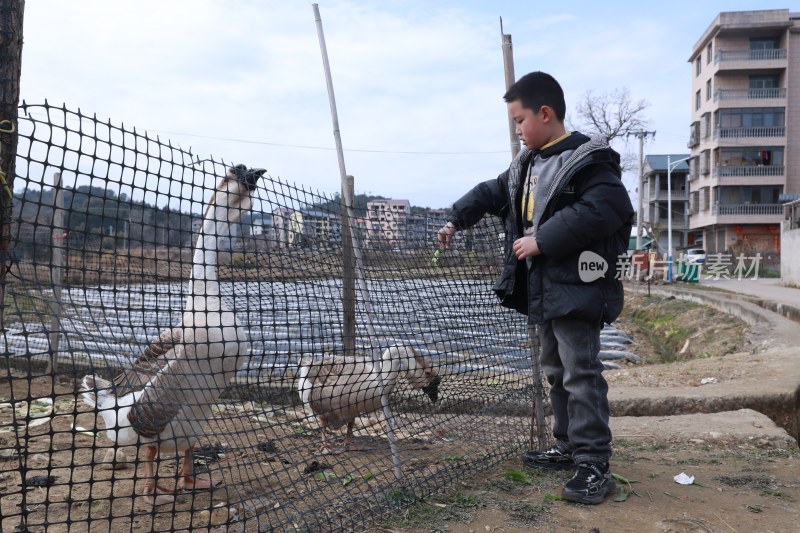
[587, 210]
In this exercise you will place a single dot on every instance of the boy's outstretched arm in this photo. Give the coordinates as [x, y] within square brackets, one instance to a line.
[488, 197]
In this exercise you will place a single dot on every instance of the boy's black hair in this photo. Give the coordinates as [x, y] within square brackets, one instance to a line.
[536, 89]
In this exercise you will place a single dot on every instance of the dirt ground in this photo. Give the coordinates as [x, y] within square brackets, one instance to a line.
[738, 487]
[746, 469]
[742, 482]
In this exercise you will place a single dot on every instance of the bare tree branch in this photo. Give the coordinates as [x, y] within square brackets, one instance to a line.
[613, 114]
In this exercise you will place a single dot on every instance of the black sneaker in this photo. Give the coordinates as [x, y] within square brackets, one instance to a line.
[558, 457]
[590, 484]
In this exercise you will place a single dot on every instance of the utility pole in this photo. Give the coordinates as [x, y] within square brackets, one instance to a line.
[641, 135]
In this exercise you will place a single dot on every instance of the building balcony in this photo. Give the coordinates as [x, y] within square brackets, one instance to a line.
[675, 196]
[751, 59]
[754, 132]
[748, 171]
[747, 209]
[749, 96]
[679, 223]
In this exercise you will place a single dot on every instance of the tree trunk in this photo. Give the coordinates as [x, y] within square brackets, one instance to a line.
[11, 15]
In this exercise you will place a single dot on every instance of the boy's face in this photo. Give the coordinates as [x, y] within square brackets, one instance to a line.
[535, 129]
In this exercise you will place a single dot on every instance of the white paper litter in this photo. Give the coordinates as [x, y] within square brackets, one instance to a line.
[684, 479]
[706, 381]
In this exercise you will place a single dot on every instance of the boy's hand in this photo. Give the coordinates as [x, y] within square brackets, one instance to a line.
[445, 235]
[526, 247]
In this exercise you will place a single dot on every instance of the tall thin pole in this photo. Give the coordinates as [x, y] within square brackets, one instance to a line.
[670, 165]
[669, 218]
[58, 238]
[348, 272]
[508, 68]
[387, 413]
[641, 134]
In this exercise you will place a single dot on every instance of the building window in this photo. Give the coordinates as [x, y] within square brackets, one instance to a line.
[708, 53]
[708, 90]
[752, 156]
[705, 125]
[697, 100]
[763, 81]
[698, 66]
[763, 43]
[752, 117]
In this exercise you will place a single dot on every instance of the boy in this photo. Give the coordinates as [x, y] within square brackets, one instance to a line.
[563, 205]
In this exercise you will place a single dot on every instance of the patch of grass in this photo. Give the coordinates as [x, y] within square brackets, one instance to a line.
[758, 456]
[777, 494]
[766, 485]
[400, 497]
[518, 476]
[670, 326]
[433, 513]
[526, 514]
[512, 481]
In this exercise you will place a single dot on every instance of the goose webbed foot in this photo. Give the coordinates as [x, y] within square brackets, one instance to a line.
[326, 449]
[155, 494]
[201, 482]
[188, 481]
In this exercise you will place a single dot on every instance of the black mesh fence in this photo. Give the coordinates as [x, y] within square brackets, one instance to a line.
[165, 312]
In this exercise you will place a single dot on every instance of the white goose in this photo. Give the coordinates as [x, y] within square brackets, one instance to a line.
[161, 404]
[338, 389]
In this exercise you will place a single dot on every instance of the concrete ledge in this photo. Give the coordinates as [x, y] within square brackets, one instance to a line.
[771, 387]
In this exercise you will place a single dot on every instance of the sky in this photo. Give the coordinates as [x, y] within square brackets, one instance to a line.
[418, 85]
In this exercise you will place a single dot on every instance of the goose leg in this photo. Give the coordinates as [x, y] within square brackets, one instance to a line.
[188, 481]
[346, 442]
[325, 447]
[154, 493]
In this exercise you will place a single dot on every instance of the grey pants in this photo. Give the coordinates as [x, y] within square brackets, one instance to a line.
[578, 391]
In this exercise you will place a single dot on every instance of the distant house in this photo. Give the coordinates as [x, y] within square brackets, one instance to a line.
[660, 197]
[387, 221]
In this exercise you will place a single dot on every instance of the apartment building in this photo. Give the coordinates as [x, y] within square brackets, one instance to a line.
[387, 222]
[662, 197]
[745, 130]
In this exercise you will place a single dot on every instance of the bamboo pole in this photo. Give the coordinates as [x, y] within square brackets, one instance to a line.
[390, 423]
[348, 272]
[539, 434]
[508, 68]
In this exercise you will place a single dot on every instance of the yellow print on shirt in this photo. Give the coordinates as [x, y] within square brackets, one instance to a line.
[530, 200]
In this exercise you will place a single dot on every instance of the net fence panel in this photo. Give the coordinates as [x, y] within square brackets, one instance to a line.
[160, 332]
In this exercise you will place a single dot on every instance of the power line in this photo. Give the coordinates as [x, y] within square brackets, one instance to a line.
[304, 147]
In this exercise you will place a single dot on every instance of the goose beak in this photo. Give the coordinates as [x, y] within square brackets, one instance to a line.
[432, 389]
[249, 177]
[252, 176]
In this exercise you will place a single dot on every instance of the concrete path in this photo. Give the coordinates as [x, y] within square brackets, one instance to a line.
[766, 288]
[763, 381]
